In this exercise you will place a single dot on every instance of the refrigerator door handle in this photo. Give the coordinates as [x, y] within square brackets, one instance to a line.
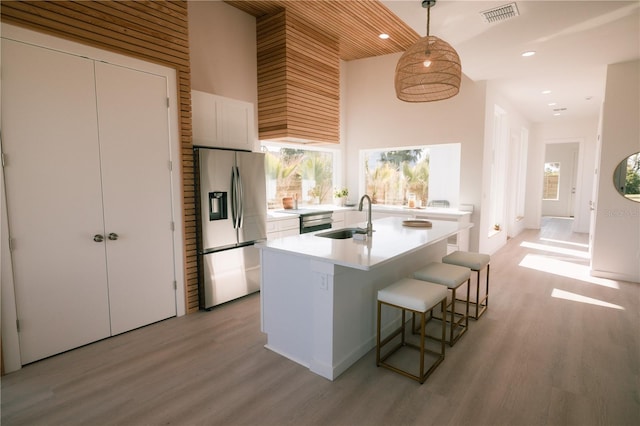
[240, 199]
[234, 197]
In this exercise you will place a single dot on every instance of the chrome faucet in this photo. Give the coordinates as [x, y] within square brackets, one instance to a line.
[369, 224]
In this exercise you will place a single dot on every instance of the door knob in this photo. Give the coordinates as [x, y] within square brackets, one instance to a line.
[98, 238]
[113, 236]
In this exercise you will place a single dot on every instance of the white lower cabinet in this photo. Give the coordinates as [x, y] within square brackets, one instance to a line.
[279, 228]
[88, 189]
[339, 219]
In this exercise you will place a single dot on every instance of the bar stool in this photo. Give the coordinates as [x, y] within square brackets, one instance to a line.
[453, 277]
[476, 262]
[419, 298]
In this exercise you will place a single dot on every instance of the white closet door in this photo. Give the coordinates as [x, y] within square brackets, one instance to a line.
[49, 136]
[134, 146]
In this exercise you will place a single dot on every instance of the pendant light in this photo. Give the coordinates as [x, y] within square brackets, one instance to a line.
[429, 70]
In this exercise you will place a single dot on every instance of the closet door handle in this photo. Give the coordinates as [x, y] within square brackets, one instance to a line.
[98, 238]
[113, 236]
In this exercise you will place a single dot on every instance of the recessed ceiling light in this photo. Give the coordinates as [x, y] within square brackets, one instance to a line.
[556, 114]
[546, 92]
[384, 36]
[528, 53]
[552, 103]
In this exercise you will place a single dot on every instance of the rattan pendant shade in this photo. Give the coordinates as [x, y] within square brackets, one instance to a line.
[428, 71]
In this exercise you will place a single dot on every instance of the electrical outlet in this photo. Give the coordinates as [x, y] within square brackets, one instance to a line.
[324, 285]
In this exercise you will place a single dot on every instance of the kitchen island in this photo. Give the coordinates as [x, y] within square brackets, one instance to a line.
[318, 295]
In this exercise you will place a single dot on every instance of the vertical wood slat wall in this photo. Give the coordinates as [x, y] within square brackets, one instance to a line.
[155, 31]
[298, 81]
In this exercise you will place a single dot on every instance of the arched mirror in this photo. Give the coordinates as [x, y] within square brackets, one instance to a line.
[626, 177]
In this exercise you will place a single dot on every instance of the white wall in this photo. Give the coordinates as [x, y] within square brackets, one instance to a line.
[377, 119]
[566, 155]
[615, 249]
[222, 44]
[584, 132]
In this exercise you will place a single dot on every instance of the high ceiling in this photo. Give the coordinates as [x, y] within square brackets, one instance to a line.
[356, 24]
[574, 41]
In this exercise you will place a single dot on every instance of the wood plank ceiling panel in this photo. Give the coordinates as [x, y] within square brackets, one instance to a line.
[300, 44]
[356, 24]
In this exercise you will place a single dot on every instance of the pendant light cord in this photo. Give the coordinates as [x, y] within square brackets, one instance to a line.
[428, 17]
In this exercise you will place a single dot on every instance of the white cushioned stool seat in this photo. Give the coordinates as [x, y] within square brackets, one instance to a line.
[452, 276]
[441, 273]
[476, 262]
[412, 294]
[418, 297]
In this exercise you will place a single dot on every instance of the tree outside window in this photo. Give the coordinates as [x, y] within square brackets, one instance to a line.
[551, 187]
[307, 175]
[632, 182]
[392, 177]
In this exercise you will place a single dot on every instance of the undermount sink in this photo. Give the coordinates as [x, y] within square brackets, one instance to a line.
[340, 234]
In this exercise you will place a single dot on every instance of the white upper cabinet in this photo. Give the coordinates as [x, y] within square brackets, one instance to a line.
[221, 122]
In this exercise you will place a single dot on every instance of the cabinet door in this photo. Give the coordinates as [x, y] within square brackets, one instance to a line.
[134, 147]
[204, 118]
[220, 122]
[289, 232]
[54, 205]
[235, 124]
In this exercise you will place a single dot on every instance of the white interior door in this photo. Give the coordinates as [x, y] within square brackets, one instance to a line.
[54, 207]
[574, 179]
[135, 147]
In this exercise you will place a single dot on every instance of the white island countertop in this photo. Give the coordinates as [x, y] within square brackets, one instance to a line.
[390, 239]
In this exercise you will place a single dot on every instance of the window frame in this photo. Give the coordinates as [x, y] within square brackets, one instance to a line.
[451, 185]
[305, 200]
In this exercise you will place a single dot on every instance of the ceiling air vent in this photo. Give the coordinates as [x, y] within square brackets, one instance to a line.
[500, 13]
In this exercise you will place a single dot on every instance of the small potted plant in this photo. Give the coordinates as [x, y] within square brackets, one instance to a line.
[314, 193]
[341, 195]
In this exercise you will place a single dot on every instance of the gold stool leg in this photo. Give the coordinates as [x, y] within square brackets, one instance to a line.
[486, 304]
[378, 336]
[463, 323]
[443, 339]
[477, 295]
[466, 315]
[482, 303]
[453, 316]
[422, 339]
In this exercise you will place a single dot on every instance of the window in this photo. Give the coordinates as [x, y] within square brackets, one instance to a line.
[411, 176]
[307, 174]
[550, 186]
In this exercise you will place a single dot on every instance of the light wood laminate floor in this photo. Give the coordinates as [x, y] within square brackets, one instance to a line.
[556, 347]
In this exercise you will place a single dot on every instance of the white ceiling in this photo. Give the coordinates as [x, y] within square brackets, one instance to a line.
[574, 41]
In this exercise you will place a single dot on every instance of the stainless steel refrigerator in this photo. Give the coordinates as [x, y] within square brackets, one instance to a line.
[231, 211]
